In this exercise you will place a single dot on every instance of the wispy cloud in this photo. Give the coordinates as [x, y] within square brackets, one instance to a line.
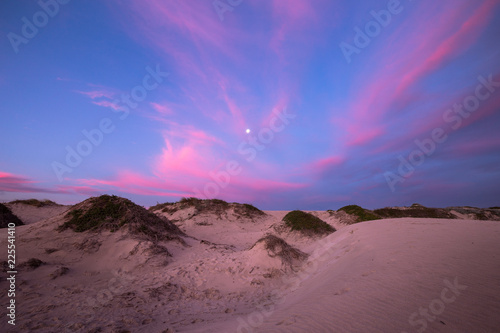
[16, 183]
[97, 94]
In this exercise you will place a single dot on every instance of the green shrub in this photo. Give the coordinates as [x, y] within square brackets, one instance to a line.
[307, 223]
[361, 213]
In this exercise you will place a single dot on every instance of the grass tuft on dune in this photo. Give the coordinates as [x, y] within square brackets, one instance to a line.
[35, 202]
[361, 213]
[307, 223]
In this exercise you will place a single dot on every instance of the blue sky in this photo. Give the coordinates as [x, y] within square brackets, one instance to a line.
[282, 104]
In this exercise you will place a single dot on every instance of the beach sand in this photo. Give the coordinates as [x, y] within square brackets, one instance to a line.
[392, 275]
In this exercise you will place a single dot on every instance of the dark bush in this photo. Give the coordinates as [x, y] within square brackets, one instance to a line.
[415, 210]
[307, 223]
[6, 217]
[360, 213]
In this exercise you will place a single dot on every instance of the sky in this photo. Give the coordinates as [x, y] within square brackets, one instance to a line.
[284, 104]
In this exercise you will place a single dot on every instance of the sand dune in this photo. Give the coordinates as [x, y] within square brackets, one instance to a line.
[31, 214]
[389, 275]
[382, 276]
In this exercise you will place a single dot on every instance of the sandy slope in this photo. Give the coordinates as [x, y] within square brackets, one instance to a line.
[367, 277]
[30, 214]
[376, 277]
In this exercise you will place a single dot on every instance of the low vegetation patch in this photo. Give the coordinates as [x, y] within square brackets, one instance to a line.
[7, 217]
[484, 214]
[59, 272]
[216, 206]
[160, 206]
[247, 210]
[209, 205]
[277, 247]
[32, 264]
[307, 223]
[360, 213]
[113, 213]
[104, 212]
[415, 210]
[156, 249]
[35, 202]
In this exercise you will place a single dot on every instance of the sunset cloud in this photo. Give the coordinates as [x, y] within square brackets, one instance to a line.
[228, 82]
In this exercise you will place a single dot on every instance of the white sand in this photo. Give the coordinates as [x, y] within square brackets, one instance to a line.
[367, 277]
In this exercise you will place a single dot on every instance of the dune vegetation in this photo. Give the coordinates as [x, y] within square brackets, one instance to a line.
[6, 217]
[217, 206]
[415, 210]
[35, 202]
[113, 213]
[361, 213]
[307, 223]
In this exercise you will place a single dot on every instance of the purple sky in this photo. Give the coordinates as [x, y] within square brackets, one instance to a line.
[285, 104]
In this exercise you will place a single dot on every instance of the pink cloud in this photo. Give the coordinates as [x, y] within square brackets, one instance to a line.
[361, 135]
[85, 190]
[293, 17]
[130, 182]
[188, 156]
[191, 134]
[217, 92]
[423, 51]
[97, 94]
[239, 187]
[422, 128]
[162, 109]
[265, 185]
[280, 105]
[107, 104]
[319, 166]
[239, 123]
[476, 147]
[450, 47]
[15, 183]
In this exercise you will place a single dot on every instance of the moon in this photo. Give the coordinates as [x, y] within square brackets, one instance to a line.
[248, 130]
